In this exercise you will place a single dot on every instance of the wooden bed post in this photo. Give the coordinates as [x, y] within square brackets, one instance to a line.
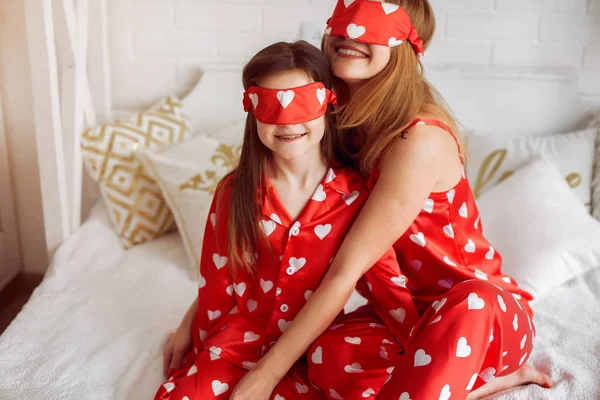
[48, 124]
[62, 115]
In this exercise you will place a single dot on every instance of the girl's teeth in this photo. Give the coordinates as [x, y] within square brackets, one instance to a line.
[350, 52]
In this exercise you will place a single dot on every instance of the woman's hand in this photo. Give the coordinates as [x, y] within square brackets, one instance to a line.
[178, 344]
[257, 384]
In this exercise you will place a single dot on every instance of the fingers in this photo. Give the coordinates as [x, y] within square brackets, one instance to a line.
[176, 359]
[167, 357]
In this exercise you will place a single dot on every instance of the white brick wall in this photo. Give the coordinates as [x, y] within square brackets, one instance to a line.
[165, 41]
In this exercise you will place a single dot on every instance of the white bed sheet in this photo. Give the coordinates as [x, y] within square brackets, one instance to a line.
[95, 327]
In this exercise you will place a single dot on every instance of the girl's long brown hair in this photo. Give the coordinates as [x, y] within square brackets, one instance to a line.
[384, 106]
[247, 179]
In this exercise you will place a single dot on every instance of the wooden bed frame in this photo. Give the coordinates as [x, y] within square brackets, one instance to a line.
[70, 78]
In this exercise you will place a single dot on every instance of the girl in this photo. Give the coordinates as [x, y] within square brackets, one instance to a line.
[475, 322]
[275, 224]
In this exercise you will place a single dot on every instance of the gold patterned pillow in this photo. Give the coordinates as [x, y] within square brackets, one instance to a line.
[134, 201]
[188, 174]
[493, 159]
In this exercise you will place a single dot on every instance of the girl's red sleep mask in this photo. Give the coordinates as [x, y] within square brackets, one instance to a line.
[373, 22]
[288, 106]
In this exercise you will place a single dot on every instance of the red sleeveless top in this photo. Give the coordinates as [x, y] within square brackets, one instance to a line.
[445, 244]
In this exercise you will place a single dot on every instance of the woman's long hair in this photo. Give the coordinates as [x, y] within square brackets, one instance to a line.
[383, 107]
[246, 180]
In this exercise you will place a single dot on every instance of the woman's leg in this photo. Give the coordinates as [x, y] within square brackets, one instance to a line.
[353, 358]
[296, 385]
[475, 333]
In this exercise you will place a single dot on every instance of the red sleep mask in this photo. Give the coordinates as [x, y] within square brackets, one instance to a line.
[288, 106]
[373, 22]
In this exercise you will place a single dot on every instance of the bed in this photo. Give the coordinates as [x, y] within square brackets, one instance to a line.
[95, 327]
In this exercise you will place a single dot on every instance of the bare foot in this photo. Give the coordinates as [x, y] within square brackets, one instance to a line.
[525, 375]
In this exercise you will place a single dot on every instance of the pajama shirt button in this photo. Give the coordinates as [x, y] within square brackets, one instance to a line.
[295, 232]
[290, 270]
[284, 308]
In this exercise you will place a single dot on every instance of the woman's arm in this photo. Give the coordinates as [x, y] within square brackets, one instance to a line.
[408, 174]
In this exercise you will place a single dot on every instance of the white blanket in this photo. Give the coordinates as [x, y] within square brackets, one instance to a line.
[95, 327]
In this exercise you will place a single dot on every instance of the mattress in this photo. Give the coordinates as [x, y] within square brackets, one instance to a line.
[95, 327]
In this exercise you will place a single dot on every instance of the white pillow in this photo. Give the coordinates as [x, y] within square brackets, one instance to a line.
[543, 232]
[188, 174]
[492, 159]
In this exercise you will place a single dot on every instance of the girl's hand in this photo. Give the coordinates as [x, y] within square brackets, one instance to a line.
[257, 384]
[178, 344]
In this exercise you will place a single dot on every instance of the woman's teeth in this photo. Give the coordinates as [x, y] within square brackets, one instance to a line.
[349, 52]
[289, 137]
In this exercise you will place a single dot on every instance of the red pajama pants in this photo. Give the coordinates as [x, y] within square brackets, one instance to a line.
[207, 376]
[476, 332]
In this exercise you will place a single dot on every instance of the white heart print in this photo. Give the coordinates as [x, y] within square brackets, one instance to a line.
[419, 239]
[248, 364]
[307, 294]
[321, 95]
[219, 387]
[335, 395]
[470, 246]
[393, 42]
[285, 97]
[439, 317]
[475, 302]
[353, 368]
[405, 396]
[240, 288]
[399, 280]
[327, 31]
[254, 99]
[317, 356]
[446, 283]
[354, 31]
[251, 337]
[348, 3]
[252, 305]
[450, 194]
[523, 359]
[297, 263]
[428, 207]
[445, 393]
[352, 340]
[422, 358]
[301, 388]
[487, 374]
[266, 286]
[203, 335]
[516, 323]
[330, 176]
[449, 262]
[490, 254]
[501, 303]
[481, 275]
[463, 211]
[523, 341]
[219, 261]
[201, 282]
[439, 304]
[268, 226]
[472, 382]
[215, 353]
[368, 392]
[449, 231]
[275, 218]
[463, 350]
[416, 265]
[389, 8]
[319, 194]
[213, 219]
[192, 370]
[398, 314]
[278, 397]
[283, 325]
[212, 315]
[322, 231]
[229, 290]
[351, 197]
[169, 387]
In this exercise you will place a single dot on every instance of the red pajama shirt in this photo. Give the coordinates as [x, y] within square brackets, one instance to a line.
[240, 317]
[475, 322]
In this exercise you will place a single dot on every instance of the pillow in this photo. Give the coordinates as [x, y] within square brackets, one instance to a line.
[492, 159]
[543, 232]
[188, 174]
[596, 178]
[134, 202]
